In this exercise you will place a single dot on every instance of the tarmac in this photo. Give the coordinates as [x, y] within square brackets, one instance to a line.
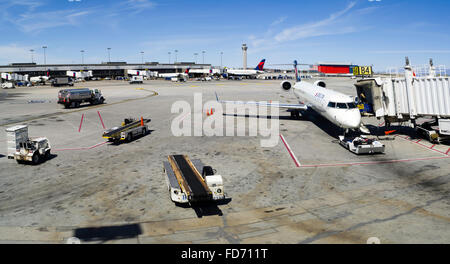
[305, 189]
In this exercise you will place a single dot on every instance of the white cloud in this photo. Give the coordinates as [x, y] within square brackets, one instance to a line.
[15, 53]
[409, 51]
[32, 16]
[333, 25]
[35, 22]
[138, 6]
[279, 21]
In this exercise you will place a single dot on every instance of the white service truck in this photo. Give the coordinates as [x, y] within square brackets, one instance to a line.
[137, 79]
[8, 85]
[22, 148]
[362, 145]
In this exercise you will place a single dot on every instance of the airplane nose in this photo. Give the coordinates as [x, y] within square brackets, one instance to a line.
[351, 120]
[354, 120]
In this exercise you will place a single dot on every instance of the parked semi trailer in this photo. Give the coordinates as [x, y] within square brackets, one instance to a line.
[129, 129]
[22, 148]
[191, 181]
[75, 97]
[62, 81]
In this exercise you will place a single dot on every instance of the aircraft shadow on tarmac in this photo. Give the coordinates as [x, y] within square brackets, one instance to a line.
[107, 233]
[117, 143]
[2, 156]
[206, 208]
[308, 115]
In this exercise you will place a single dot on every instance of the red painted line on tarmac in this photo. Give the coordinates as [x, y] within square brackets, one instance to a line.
[372, 162]
[422, 145]
[418, 140]
[101, 120]
[446, 153]
[297, 163]
[81, 122]
[86, 148]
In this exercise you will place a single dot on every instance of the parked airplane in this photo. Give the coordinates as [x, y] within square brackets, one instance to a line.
[338, 108]
[247, 73]
[173, 75]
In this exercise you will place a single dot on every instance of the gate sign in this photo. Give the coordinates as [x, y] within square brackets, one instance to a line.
[362, 70]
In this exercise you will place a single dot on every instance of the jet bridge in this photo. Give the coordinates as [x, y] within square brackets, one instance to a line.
[407, 99]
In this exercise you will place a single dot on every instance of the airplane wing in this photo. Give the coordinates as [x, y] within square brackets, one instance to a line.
[267, 104]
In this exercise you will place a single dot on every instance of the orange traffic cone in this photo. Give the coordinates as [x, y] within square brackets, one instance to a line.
[142, 121]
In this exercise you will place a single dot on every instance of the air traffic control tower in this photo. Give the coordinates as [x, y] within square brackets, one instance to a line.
[244, 55]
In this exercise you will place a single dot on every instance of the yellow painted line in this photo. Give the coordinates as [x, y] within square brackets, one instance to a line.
[139, 88]
[154, 93]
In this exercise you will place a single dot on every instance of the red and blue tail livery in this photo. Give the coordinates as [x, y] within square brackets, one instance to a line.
[260, 66]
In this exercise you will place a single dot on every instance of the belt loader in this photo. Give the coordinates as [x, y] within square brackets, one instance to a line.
[129, 129]
[191, 181]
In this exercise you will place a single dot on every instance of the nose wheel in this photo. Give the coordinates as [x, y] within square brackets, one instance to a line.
[295, 114]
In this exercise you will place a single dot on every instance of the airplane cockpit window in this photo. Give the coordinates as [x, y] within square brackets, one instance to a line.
[341, 105]
[351, 105]
[332, 104]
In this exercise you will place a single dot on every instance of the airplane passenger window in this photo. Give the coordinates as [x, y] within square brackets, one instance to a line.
[332, 104]
[342, 105]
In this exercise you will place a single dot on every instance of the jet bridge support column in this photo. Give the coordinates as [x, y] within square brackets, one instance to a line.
[409, 75]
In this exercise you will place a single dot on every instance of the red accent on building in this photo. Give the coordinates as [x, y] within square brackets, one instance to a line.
[334, 69]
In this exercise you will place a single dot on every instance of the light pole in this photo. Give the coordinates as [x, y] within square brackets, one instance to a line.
[142, 57]
[176, 57]
[203, 56]
[221, 57]
[195, 56]
[32, 58]
[109, 54]
[169, 55]
[45, 55]
[82, 56]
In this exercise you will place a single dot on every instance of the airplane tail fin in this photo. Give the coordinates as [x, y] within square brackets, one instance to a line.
[260, 66]
[297, 78]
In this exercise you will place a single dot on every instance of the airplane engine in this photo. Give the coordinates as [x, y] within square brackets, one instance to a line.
[286, 85]
[320, 83]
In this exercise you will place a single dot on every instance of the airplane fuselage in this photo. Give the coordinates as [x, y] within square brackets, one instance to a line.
[338, 108]
[243, 72]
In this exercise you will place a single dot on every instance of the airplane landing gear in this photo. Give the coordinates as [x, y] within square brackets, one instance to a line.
[295, 114]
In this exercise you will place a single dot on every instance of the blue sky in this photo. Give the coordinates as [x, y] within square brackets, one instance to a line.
[364, 32]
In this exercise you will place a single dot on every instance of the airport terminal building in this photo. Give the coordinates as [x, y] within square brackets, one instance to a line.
[108, 69]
